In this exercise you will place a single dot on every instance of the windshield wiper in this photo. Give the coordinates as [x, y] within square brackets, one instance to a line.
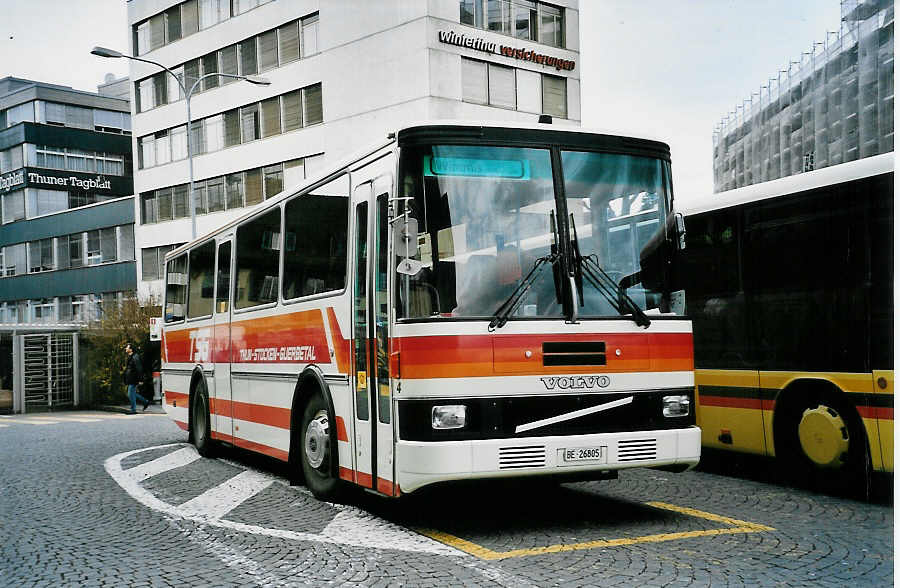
[502, 314]
[588, 267]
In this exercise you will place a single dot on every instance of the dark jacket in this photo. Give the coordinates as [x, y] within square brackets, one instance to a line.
[134, 372]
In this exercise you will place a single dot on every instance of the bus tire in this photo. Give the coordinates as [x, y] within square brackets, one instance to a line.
[317, 452]
[820, 441]
[200, 421]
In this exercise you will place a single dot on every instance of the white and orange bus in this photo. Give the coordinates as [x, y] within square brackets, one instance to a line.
[462, 301]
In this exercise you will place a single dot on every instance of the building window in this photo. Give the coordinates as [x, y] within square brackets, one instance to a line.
[523, 19]
[474, 81]
[506, 87]
[40, 256]
[310, 26]
[271, 117]
[274, 180]
[11, 159]
[501, 86]
[250, 123]
[153, 260]
[289, 42]
[210, 63]
[268, 51]
[312, 105]
[554, 96]
[229, 57]
[248, 57]
[228, 192]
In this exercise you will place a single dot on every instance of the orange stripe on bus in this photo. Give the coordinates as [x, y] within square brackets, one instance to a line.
[345, 474]
[364, 479]
[456, 356]
[181, 425]
[341, 345]
[341, 429]
[260, 339]
[385, 487]
[729, 402]
[883, 413]
[260, 448]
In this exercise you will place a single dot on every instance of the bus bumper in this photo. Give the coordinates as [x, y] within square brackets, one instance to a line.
[421, 463]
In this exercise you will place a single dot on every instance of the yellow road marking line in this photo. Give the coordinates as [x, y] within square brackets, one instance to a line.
[737, 526]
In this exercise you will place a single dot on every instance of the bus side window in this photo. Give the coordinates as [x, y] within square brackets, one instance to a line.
[257, 247]
[200, 280]
[176, 288]
[315, 254]
[715, 297]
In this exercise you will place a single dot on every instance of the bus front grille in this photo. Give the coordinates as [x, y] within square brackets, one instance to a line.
[637, 450]
[531, 456]
[573, 353]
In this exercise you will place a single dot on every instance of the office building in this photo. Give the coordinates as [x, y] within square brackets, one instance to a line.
[67, 232]
[834, 104]
[342, 75]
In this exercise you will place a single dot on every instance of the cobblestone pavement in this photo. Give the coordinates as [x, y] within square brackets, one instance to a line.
[96, 499]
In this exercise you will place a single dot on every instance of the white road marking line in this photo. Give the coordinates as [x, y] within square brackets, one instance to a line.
[2, 425]
[29, 421]
[67, 418]
[347, 531]
[170, 461]
[219, 501]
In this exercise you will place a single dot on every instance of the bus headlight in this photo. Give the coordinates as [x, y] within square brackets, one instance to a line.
[676, 406]
[451, 416]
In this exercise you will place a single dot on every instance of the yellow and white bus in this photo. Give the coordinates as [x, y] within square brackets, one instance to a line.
[461, 301]
[789, 284]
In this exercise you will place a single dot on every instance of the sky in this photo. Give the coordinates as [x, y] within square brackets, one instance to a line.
[667, 69]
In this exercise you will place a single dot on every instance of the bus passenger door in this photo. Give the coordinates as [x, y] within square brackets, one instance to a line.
[363, 466]
[373, 430]
[221, 405]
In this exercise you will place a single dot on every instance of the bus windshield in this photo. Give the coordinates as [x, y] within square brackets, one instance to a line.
[488, 216]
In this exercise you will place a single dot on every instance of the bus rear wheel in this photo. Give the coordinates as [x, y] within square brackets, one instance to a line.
[200, 421]
[821, 443]
[317, 453]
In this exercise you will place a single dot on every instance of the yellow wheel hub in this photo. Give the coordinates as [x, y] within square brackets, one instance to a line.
[823, 436]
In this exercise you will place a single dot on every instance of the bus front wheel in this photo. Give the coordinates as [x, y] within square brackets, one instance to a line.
[317, 451]
[200, 421]
[821, 442]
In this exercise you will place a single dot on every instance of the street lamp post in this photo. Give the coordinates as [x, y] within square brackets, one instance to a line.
[257, 80]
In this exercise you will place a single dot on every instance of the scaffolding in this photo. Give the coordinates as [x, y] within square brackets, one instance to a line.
[835, 104]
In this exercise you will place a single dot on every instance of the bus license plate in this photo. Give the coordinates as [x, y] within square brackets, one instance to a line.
[571, 454]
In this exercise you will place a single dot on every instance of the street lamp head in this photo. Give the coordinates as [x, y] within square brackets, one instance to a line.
[258, 80]
[104, 52]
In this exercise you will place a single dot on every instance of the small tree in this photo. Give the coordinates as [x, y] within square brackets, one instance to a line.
[104, 340]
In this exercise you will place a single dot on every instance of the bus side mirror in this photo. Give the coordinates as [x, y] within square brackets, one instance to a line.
[680, 231]
[406, 236]
[406, 244]
[659, 257]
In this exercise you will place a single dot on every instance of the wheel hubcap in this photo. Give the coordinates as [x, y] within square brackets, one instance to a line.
[824, 436]
[317, 440]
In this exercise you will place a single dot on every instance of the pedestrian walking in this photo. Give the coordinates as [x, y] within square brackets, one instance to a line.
[134, 375]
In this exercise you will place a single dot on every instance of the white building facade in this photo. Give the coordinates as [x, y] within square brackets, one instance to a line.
[343, 73]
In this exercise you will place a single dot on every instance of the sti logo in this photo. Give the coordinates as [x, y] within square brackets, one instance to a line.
[575, 382]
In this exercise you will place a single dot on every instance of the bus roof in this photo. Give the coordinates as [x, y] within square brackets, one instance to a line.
[826, 176]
